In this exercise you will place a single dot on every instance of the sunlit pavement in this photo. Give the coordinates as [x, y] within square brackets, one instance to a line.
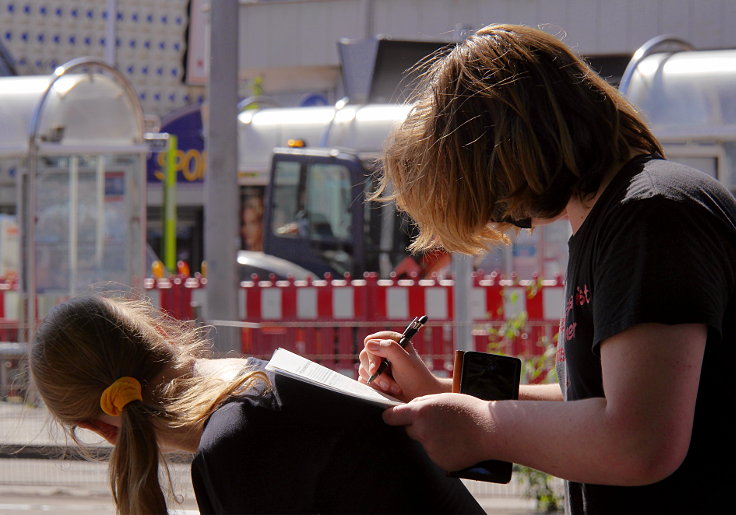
[40, 486]
[78, 504]
[63, 505]
[35, 500]
[53, 505]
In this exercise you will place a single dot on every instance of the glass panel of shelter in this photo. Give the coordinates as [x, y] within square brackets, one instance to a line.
[85, 222]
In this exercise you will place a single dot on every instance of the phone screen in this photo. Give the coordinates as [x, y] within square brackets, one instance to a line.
[489, 377]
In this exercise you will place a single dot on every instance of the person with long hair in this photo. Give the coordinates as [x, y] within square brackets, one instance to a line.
[261, 443]
[511, 129]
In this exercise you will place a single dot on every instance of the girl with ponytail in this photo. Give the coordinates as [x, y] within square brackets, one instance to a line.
[261, 443]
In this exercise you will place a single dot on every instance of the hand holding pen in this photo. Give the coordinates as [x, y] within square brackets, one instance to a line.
[412, 329]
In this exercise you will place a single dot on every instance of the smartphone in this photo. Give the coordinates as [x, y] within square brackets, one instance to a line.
[490, 377]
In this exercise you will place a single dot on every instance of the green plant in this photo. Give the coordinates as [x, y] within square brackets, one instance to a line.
[540, 488]
[535, 369]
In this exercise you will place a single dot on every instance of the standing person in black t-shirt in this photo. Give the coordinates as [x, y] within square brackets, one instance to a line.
[511, 128]
[262, 443]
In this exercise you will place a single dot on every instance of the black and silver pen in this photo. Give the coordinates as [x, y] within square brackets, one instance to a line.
[409, 332]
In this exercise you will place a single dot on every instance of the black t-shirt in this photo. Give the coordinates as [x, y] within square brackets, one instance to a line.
[303, 449]
[659, 246]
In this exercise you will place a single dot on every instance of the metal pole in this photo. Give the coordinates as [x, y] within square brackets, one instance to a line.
[73, 224]
[28, 225]
[111, 32]
[221, 240]
[462, 267]
[100, 217]
[169, 189]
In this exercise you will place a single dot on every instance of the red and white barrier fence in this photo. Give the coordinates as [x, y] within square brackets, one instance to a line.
[9, 316]
[327, 319]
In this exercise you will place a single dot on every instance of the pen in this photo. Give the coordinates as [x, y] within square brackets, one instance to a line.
[409, 332]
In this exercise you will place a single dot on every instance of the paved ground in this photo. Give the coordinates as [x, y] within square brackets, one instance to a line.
[39, 501]
[41, 486]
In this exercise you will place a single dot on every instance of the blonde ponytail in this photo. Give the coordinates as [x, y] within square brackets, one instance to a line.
[134, 465]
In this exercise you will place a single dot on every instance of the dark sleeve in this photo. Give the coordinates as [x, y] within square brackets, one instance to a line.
[249, 462]
[220, 486]
[664, 261]
[319, 452]
[203, 490]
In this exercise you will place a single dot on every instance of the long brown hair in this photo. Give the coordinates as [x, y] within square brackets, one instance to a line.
[508, 124]
[87, 343]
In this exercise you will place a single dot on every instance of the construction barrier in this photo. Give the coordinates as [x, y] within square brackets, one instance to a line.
[327, 319]
[9, 316]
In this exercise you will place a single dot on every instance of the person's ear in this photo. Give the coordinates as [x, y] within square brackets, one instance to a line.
[105, 430]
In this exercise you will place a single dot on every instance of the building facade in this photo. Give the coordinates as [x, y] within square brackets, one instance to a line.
[288, 49]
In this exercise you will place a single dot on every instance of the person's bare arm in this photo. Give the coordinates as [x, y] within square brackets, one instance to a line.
[540, 392]
[638, 434]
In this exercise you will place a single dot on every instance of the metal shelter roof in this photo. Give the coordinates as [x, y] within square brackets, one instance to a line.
[688, 94]
[77, 109]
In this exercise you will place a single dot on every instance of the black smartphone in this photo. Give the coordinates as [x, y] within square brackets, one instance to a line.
[490, 377]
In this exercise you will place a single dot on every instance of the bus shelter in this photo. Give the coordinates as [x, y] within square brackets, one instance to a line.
[72, 173]
[688, 97]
